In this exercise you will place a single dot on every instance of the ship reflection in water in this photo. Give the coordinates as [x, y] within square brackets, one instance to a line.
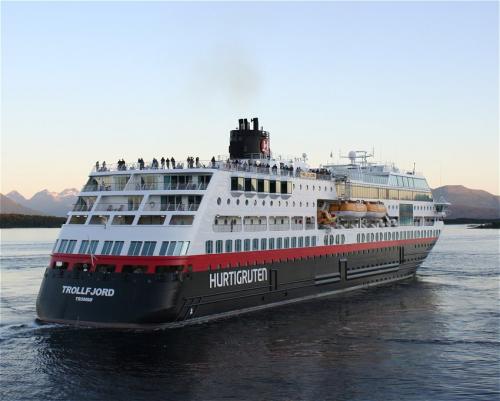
[435, 337]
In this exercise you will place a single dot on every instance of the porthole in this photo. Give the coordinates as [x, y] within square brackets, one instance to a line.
[219, 201]
[286, 203]
[237, 201]
[279, 203]
[314, 187]
[293, 203]
[246, 202]
[263, 203]
[228, 201]
[307, 204]
[255, 202]
[300, 204]
[300, 186]
[271, 203]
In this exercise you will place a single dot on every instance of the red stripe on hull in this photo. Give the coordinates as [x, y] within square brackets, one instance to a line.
[205, 262]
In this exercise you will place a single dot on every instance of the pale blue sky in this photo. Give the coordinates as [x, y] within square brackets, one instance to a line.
[99, 81]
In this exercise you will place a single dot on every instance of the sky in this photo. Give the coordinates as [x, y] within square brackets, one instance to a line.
[418, 82]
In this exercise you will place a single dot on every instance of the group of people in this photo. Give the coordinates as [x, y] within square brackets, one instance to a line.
[100, 167]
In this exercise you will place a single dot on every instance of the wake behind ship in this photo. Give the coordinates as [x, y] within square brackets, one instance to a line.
[159, 245]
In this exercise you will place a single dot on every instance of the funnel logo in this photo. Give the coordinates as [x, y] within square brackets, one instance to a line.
[264, 146]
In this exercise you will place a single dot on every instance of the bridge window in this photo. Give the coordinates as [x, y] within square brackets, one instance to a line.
[93, 246]
[71, 246]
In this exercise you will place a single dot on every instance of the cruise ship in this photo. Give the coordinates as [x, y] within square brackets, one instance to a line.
[151, 245]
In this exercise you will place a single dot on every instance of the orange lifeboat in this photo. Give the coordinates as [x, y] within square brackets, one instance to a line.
[375, 210]
[351, 210]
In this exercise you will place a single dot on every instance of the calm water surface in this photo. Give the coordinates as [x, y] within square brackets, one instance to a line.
[434, 338]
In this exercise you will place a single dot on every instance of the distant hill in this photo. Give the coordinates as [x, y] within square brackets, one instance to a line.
[50, 203]
[9, 206]
[469, 203]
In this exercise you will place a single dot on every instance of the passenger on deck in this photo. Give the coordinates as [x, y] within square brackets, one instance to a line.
[103, 166]
[168, 163]
[162, 161]
[96, 166]
[172, 160]
[213, 161]
[197, 162]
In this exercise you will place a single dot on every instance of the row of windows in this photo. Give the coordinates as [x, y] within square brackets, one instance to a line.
[271, 203]
[257, 244]
[136, 248]
[127, 219]
[388, 236]
[368, 192]
[260, 185]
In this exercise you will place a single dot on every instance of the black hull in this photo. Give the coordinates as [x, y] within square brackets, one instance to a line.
[156, 300]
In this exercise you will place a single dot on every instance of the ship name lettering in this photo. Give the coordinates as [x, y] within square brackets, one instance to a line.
[92, 291]
[239, 277]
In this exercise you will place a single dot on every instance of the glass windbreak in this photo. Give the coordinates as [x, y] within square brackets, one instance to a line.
[405, 214]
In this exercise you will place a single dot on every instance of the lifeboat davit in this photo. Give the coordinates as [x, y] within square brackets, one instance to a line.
[375, 210]
[350, 210]
[325, 218]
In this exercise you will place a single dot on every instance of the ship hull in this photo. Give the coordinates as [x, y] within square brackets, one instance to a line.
[127, 300]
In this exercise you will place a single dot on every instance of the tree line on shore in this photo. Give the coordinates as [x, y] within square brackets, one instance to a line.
[30, 221]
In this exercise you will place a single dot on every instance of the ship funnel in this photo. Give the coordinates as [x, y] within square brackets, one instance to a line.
[249, 142]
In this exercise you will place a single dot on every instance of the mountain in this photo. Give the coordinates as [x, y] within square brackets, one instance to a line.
[468, 203]
[8, 206]
[50, 203]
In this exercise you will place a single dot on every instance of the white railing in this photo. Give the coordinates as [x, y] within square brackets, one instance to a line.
[227, 228]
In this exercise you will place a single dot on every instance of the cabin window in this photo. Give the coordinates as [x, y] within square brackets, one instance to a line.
[284, 187]
[151, 220]
[148, 248]
[181, 220]
[272, 187]
[237, 245]
[287, 243]
[234, 183]
[271, 243]
[77, 219]
[255, 244]
[218, 246]
[71, 246]
[308, 241]
[209, 246]
[101, 219]
[135, 248]
[117, 248]
[301, 242]
[313, 241]
[260, 185]
[83, 246]
[62, 246]
[229, 245]
[122, 220]
[93, 246]
[279, 243]
[248, 185]
[246, 245]
[106, 248]
[263, 244]
[294, 242]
